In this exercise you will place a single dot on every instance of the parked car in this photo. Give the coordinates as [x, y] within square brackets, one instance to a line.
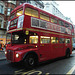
[73, 46]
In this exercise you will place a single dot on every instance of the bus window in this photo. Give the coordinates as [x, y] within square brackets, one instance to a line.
[53, 20]
[54, 40]
[33, 39]
[71, 27]
[19, 12]
[61, 40]
[44, 39]
[12, 16]
[66, 25]
[61, 22]
[67, 41]
[31, 12]
[44, 16]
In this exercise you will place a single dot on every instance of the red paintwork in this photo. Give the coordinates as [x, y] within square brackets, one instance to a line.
[48, 51]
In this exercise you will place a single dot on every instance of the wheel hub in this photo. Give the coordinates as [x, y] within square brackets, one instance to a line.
[31, 61]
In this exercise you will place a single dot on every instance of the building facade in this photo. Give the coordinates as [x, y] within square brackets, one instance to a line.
[37, 3]
[52, 7]
[5, 8]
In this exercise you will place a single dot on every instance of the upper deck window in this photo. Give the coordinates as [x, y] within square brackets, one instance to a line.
[71, 27]
[44, 16]
[19, 12]
[61, 23]
[31, 12]
[66, 25]
[53, 20]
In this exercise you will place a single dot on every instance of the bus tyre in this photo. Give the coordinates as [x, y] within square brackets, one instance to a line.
[67, 54]
[30, 61]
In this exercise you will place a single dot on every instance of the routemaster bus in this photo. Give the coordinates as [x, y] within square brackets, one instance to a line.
[35, 35]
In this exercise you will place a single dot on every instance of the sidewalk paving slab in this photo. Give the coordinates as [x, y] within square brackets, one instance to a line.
[2, 55]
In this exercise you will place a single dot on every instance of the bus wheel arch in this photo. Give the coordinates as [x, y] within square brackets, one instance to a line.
[67, 54]
[30, 59]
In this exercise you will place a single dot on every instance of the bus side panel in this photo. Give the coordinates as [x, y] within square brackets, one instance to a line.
[27, 21]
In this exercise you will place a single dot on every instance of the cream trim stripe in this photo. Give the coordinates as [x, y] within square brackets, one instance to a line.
[48, 32]
[14, 30]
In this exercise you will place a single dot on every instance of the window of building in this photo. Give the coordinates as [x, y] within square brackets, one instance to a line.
[0, 23]
[54, 40]
[61, 22]
[44, 39]
[67, 41]
[33, 39]
[1, 9]
[61, 40]
[31, 12]
[44, 16]
[53, 20]
[8, 11]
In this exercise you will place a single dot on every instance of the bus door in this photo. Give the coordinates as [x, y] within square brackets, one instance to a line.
[44, 47]
[61, 47]
[57, 47]
[54, 47]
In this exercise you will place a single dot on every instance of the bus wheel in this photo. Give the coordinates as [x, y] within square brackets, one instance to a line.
[67, 53]
[30, 61]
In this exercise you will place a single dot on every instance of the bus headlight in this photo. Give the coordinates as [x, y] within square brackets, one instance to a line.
[17, 55]
[5, 52]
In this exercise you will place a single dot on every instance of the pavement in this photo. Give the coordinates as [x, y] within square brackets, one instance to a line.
[2, 55]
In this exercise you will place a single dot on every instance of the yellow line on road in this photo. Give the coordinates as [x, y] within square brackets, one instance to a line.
[28, 72]
[71, 70]
[19, 70]
[39, 72]
[47, 74]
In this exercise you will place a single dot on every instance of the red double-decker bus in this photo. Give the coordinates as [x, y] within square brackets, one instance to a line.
[35, 35]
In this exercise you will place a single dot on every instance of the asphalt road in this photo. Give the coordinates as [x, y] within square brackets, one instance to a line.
[57, 66]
